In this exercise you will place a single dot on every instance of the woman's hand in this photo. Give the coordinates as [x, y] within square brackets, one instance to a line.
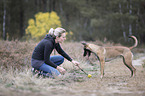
[61, 70]
[75, 62]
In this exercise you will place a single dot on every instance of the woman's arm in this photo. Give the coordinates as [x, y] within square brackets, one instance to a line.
[61, 51]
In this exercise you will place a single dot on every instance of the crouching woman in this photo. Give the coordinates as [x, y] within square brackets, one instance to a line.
[41, 57]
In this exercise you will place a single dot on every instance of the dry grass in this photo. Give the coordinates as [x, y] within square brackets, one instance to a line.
[15, 71]
[143, 64]
[16, 76]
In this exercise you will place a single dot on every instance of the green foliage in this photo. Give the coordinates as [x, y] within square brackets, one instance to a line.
[40, 26]
[113, 19]
[87, 19]
[69, 36]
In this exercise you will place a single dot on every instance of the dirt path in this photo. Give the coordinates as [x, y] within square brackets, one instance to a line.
[116, 82]
[138, 62]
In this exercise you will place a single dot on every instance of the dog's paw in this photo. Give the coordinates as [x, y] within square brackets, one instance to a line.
[101, 76]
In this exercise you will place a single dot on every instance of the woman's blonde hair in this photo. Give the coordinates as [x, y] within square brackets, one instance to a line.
[56, 32]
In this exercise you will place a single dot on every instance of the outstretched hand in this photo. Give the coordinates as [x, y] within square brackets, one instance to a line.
[75, 62]
[61, 70]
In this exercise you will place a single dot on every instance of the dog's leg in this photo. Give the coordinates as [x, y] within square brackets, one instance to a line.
[100, 56]
[102, 64]
[128, 62]
[88, 55]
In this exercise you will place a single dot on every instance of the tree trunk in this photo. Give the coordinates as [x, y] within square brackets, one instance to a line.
[53, 5]
[21, 20]
[50, 6]
[122, 23]
[60, 7]
[44, 5]
[130, 12]
[4, 21]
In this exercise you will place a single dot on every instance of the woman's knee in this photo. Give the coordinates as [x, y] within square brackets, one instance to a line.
[57, 59]
[62, 58]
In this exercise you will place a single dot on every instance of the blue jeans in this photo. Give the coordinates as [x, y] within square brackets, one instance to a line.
[58, 60]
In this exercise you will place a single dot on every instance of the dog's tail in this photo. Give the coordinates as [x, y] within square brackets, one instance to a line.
[135, 44]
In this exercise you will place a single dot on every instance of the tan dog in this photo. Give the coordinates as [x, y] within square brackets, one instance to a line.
[103, 52]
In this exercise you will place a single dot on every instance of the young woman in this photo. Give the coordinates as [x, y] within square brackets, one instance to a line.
[41, 59]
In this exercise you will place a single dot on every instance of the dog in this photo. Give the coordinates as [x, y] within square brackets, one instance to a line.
[103, 52]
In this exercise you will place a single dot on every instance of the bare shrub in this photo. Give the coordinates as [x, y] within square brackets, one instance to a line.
[15, 54]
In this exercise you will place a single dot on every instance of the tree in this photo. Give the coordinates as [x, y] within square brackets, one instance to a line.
[4, 21]
[87, 19]
[39, 27]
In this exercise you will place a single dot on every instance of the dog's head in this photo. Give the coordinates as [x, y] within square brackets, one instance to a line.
[88, 46]
[87, 50]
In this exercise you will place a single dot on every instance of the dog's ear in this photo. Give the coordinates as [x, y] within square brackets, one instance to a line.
[84, 43]
[86, 52]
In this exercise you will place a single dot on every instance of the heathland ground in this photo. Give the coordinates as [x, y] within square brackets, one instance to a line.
[16, 78]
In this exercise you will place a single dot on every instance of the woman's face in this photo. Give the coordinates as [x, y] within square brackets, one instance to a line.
[61, 38]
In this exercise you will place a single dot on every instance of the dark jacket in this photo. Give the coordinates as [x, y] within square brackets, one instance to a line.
[43, 50]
